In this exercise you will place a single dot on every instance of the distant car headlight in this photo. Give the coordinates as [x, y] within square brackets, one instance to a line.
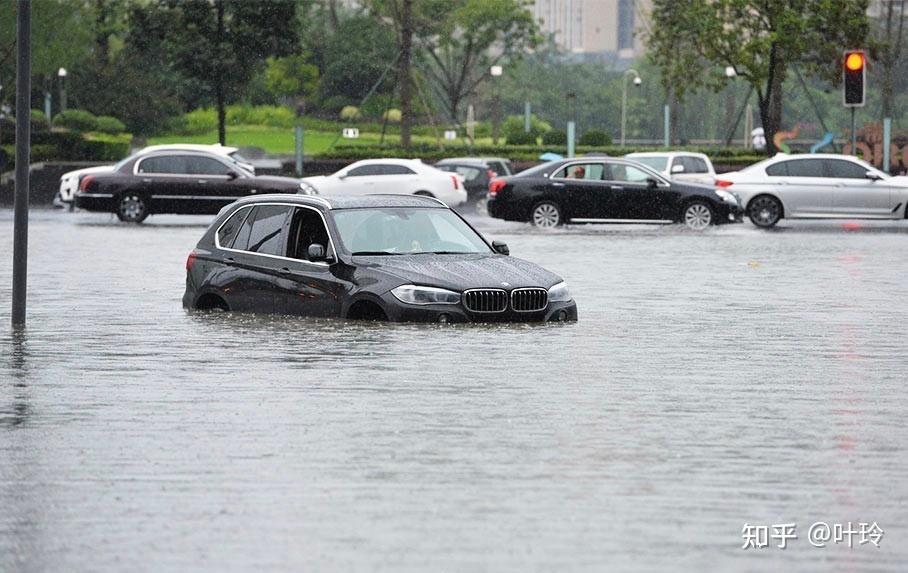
[559, 293]
[412, 294]
[726, 196]
[306, 189]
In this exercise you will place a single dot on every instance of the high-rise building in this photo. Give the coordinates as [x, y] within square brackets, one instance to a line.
[593, 26]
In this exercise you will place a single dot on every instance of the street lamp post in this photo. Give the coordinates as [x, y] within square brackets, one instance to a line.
[61, 73]
[496, 72]
[637, 82]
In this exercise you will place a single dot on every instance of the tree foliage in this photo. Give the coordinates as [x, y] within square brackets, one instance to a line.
[291, 76]
[693, 41]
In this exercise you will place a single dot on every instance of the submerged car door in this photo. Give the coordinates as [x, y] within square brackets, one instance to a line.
[803, 186]
[581, 191]
[635, 196]
[856, 194]
[304, 286]
[256, 256]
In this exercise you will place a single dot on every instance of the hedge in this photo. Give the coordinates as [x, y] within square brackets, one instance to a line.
[76, 120]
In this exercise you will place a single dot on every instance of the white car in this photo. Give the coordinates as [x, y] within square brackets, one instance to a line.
[816, 186]
[69, 181]
[395, 176]
[680, 165]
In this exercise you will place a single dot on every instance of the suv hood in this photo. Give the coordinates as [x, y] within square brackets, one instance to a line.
[461, 272]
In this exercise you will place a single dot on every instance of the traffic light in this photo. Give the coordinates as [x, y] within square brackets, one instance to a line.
[855, 72]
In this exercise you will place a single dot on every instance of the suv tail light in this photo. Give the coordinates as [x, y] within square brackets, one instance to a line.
[86, 181]
[721, 183]
[456, 183]
[496, 185]
[190, 260]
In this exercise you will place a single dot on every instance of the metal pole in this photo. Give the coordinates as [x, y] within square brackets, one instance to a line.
[570, 138]
[298, 148]
[496, 119]
[887, 139]
[23, 144]
[623, 107]
[526, 117]
[667, 125]
[854, 135]
[62, 94]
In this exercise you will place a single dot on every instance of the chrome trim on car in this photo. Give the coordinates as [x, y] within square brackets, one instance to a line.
[486, 298]
[538, 292]
[93, 195]
[329, 248]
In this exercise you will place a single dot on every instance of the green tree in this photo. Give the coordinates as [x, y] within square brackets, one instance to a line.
[473, 36]
[290, 76]
[692, 41]
[221, 43]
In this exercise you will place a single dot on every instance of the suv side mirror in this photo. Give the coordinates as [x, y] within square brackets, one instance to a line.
[651, 183]
[677, 168]
[316, 253]
[231, 175]
[501, 247]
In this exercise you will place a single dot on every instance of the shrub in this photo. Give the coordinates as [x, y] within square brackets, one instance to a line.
[521, 138]
[392, 116]
[514, 125]
[349, 112]
[76, 120]
[109, 124]
[595, 138]
[38, 120]
[199, 121]
[554, 137]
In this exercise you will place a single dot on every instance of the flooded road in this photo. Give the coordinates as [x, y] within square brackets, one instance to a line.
[713, 380]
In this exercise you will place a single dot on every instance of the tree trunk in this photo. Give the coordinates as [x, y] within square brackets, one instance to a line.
[219, 76]
[405, 78]
[770, 101]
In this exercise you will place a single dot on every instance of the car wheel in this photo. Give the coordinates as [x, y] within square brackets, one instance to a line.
[132, 208]
[764, 211]
[546, 215]
[697, 215]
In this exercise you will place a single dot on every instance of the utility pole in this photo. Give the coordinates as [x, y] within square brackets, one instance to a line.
[23, 145]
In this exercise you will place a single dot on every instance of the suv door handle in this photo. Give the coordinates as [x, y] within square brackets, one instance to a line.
[146, 180]
[616, 187]
[228, 260]
[556, 184]
[284, 270]
[203, 181]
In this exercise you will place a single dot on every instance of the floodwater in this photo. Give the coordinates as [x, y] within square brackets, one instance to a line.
[715, 379]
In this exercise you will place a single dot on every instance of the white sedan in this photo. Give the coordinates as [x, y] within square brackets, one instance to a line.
[69, 181]
[395, 176]
[816, 186]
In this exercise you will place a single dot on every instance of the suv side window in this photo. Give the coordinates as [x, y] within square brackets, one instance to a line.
[694, 165]
[228, 231]
[306, 228]
[261, 232]
[164, 164]
[586, 171]
[628, 173]
[842, 169]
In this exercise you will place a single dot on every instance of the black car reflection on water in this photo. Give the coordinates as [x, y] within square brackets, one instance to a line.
[378, 257]
[590, 190]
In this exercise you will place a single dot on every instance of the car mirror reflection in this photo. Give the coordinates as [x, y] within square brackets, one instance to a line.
[501, 247]
[316, 252]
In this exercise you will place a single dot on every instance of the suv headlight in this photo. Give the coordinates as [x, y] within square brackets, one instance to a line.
[726, 196]
[412, 294]
[306, 189]
[559, 293]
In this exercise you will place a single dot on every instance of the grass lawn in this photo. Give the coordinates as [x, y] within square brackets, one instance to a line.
[280, 141]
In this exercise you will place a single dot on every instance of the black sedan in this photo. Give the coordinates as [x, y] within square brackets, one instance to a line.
[588, 190]
[375, 257]
[183, 182]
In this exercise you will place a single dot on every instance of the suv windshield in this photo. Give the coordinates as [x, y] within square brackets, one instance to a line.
[406, 231]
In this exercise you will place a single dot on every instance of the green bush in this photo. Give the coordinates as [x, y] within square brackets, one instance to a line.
[349, 112]
[595, 138]
[554, 137]
[270, 115]
[514, 124]
[392, 116]
[199, 121]
[76, 120]
[109, 124]
[521, 138]
[38, 120]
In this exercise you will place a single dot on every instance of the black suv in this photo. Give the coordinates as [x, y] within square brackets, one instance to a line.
[379, 257]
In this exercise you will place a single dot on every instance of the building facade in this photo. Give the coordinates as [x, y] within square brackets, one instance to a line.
[594, 27]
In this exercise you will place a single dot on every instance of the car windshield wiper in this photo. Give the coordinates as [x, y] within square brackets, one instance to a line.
[373, 253]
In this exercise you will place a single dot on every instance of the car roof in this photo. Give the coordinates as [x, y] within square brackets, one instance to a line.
[477, 159]
[215, 148]
[665, 154]
[393, 160]
[346, 201]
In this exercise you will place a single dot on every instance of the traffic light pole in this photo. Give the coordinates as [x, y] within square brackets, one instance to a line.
[23, 144]
[854, 135]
